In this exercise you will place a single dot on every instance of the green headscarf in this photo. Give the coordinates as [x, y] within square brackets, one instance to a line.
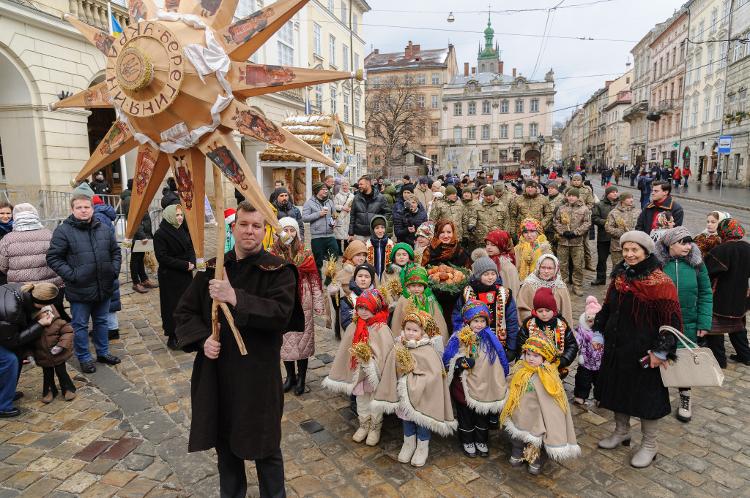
[406, 247]
[414, 274]
[170, 214]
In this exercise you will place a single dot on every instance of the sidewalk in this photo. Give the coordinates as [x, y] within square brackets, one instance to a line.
[729, 197]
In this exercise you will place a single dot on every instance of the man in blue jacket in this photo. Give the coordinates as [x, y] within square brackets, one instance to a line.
[84, 252]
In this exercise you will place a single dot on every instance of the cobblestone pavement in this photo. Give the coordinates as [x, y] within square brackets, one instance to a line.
[126, 435]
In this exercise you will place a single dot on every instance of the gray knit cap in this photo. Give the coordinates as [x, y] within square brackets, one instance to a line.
[640, 238]
[675, 234]
[482, 265]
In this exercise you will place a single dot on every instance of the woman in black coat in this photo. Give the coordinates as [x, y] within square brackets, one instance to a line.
[176, 257]
[640, 299]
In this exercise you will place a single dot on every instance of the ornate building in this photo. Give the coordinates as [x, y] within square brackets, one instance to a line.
[494, 120]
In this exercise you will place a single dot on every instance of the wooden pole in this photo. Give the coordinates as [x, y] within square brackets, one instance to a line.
[221, 238]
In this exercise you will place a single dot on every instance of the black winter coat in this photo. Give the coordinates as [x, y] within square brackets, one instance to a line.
[599, 214]
[169, 197]
[630, 327]
[570, 345]
[87, 258]
[290, 210]
[174, 251]
[403, 218]
[236, 398]
[646, 218]
[16, 325]
[107, 216]
[364, 208]
[728, 266]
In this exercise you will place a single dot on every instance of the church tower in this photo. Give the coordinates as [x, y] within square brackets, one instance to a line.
[488, 58]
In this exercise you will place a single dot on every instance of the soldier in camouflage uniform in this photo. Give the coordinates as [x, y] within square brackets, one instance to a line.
[449, 208]
[530, 205]
[504, 196]
[471, 208]
[587, 197]
[491, 216]
[572, 223]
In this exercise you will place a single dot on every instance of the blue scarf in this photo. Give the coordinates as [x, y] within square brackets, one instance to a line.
[6, 228]
[488, 342]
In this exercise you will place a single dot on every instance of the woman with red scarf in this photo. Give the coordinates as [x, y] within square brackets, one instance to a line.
[445, 249]
[499, 247]
[360, 360]
[640, 299]
[299, 346]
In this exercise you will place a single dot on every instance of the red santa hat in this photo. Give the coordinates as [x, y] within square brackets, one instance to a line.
[229, 215]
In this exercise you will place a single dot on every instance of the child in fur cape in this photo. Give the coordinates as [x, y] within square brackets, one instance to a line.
[476, 366]
[537, 414]
[416, 292]
[591, 348]
[414, 386]
[354, 255]
[360, 360]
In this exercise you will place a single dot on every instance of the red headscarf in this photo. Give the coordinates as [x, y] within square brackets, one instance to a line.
[373, 301]
[502, 240]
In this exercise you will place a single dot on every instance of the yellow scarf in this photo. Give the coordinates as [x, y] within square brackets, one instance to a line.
[521, 375]
[528, 254]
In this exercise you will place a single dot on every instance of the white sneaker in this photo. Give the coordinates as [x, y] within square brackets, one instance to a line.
[407, 450]
[420, 455]
[470, 450]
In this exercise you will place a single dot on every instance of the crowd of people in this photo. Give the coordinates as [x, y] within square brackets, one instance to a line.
[451, 299]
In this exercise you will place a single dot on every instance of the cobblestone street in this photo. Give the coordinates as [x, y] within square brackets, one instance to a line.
[126, 435]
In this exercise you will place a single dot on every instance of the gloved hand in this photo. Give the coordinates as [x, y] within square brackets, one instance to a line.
[568, 234]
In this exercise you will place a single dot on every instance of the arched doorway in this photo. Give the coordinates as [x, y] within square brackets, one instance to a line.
[99, 122]
[532, 157]
[19, 155]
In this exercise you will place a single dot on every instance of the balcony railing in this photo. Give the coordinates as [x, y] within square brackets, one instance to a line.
[94, 12]
[633, 111]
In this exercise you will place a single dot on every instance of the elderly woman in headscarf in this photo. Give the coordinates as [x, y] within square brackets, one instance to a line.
[23, 253]
[728, 267]
[709, 238]
[546, 274]
[682, 262]
[176, 256]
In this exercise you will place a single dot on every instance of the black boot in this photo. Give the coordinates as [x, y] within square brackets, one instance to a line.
[299, 389]
[291, 379]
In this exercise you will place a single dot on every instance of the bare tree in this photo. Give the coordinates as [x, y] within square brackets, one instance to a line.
[395, 121]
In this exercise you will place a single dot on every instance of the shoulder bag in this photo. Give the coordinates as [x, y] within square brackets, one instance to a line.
[695, 367]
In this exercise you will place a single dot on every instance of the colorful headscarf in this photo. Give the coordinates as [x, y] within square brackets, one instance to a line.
[503, 241]
[475, 308]
[406, 247]
[730, 229]
[426, 230]
[529, 225]
[423, 319]
[373, 301]
[542, 345]
[414, 274]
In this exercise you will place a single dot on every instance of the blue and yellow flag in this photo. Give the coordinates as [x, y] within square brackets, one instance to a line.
[116, 28]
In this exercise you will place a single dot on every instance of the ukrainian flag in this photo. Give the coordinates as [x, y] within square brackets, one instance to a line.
[116, 28]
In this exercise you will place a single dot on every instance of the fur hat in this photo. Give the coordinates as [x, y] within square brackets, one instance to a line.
[288, 221]
[481, 265]
[640, 238]
[543, 298]
[592, 306]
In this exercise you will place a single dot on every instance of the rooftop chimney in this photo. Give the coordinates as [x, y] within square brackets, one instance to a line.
[376, 51]
[514, 72]
[466, 68]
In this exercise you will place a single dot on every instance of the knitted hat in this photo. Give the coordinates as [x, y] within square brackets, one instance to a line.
[402, 246]
[280, 190]
[625, 195]
[474, 308]
[592, 306]
[610, 189]
[482, 265]
[675, 234]
[85, 189]
[553, 184]
[229, 215]
[378, 220]
[640, 238]
[366, 267]
[574, 192]
[426, 229]
[355, 247]
[288, 221]
[576, 176]
[541, 345]
[317, 186]
[543, 298]
[450, 189]
[488, 190]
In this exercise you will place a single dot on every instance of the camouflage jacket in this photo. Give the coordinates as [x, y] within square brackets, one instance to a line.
[490, 217]
[471, 208]
[523, 206]
[576, 219]
[620, 220]
[454, 211]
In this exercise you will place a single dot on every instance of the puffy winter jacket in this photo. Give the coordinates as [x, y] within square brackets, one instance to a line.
[16, 325]
[320, 226]
[87, 257]
[23, 257]
[403, 218]
[364, 208]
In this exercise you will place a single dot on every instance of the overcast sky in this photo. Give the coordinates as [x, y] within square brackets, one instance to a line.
[626, 20]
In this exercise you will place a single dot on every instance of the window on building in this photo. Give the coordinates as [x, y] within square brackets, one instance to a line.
[485, 132]
[333, 99]
[409, 79]
[707, 109]
[285, 43]
[317, 49]
[472, 111]
[717, 106]
[714, 20]
[518, 131]
[345, 54]
[332, 50]
[656, 65]
[725, 10]
[434, 128]
[534, 105]
[421, 79]
[376, 159]
[330, 6]
[435, 78]
[682, 50]
[504, 131]
[347, 100]
[344, 12]
[457, 133]
[698, 66]
[485, 155]
[533, 130]
[318, 92]
[689, 72]
[519, 106]
[503, 154]
[701, 30]
[420, 129]
[357, 115]
[674, 56]
[433, 158]
[435, 102]
[458, 109]
[694, 114]
[471, 132]
[420, 101]
[723, 54]
[738, 49]
[486, 107]
[504, 106]
[355, 23]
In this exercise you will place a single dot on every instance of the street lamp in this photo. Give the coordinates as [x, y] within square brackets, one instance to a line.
[450, 17]
[541, 154]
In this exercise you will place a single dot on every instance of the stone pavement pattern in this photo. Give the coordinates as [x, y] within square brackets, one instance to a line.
[126, 435]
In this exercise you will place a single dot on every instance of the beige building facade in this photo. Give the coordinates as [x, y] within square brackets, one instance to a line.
[617, 139]
[635, 113]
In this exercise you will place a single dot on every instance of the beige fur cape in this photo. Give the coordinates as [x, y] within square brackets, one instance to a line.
[400, 310]
[485, 387]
